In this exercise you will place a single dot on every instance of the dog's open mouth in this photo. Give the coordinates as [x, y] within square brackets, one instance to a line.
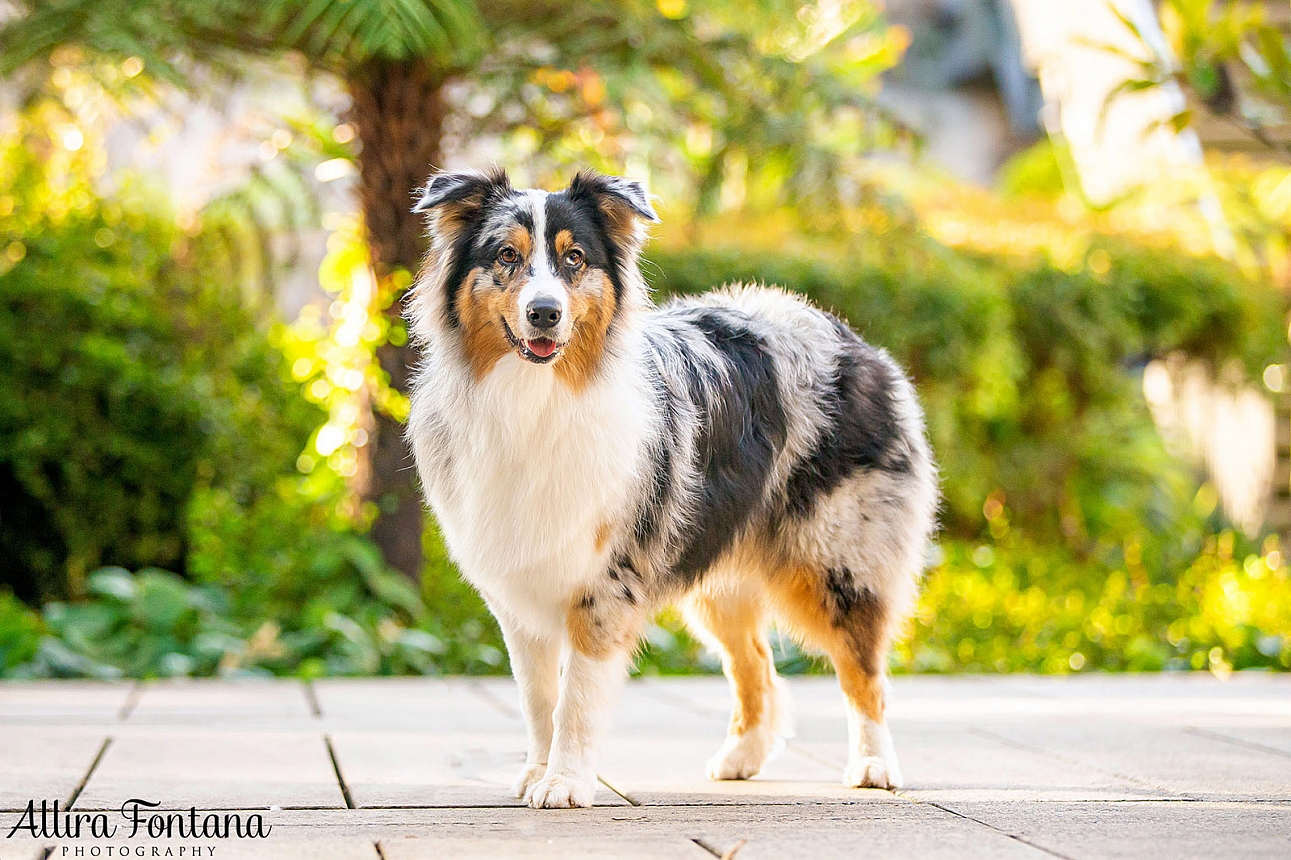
[539, 350]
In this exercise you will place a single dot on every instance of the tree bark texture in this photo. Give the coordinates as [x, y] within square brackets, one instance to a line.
[398, 110]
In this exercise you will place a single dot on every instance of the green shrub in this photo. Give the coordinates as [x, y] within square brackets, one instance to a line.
[1007, 605]
[354, 618]
[130, 376]
[20, 632]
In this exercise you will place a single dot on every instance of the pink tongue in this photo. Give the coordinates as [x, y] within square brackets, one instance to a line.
[541, 347]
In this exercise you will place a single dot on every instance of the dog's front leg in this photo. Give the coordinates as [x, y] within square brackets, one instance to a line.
[535, 663]
[602, 630]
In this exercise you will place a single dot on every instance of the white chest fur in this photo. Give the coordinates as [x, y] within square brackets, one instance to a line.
[526, 477]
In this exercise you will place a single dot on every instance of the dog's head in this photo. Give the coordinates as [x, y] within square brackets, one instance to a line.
[543, 275]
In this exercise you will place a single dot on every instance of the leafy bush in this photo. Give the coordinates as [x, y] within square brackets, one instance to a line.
[156, 624]
[1008, 605]
[129, 379]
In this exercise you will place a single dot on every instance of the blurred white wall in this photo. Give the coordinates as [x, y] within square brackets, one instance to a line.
[1082, 52]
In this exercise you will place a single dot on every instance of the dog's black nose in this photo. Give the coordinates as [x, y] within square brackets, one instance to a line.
[543, 312]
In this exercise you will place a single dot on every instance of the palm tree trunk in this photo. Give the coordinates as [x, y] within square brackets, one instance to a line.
[398, 110]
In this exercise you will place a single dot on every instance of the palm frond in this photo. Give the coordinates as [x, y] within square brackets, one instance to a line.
[335, 35]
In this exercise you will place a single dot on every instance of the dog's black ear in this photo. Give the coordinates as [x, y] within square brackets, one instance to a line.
[623, 204]
[450, 199]
[614, 195]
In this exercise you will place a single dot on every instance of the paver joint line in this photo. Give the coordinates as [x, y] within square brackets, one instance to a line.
[311, 698]
[492, 699]
[132, 700]
[1237, 742]
[80, 786]
[621, 794]
[998, 830]
[709, 848]
[336, 768]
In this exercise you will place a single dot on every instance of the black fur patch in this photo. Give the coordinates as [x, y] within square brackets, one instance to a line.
[580, 215]
[743, 428]
[457, 274]
[626, 578]
[861, 429]
[842, 592]
[860, 614]
[614, 191]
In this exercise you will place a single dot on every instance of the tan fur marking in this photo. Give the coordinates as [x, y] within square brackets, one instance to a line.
[591, 304]
[450, 219]
[738, 625]
[564, 240]
[522, 241]
[581, 625]
[482, 336]
[600, 628]
[602, 536]
[863, 690]
[856, 644]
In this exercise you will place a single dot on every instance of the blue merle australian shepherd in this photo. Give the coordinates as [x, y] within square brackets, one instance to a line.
[591, 457]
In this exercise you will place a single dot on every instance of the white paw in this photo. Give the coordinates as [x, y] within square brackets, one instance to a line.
[560, 791]
[525, 781]
[742, 756]
[872, 772]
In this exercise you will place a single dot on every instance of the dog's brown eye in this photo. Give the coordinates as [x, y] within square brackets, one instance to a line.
[574, 258]
[508, 255]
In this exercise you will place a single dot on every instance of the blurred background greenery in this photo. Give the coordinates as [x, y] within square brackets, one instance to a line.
[205, 237]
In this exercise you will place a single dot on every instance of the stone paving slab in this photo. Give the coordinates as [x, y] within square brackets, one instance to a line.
[1145, 831]
[320, 845]
[589, 846]
[45, 761]
[21, 851]
[656, 772]
[944, 761]
[430, 705]
[213, 703]
[413, 769]
[1261, 738]
[810, 831]
[72, 702]
[1158, 757]
[216, 769]
[1082, 767]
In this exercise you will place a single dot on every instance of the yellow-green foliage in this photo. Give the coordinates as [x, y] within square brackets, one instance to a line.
[1003, 606]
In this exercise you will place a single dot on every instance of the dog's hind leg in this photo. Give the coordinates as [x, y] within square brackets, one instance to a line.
[830, 610]
[733, 623]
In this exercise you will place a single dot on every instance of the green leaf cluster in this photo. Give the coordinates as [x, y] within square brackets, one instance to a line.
[129, 379]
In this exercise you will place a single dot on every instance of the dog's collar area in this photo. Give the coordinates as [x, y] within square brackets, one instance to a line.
[525, 352]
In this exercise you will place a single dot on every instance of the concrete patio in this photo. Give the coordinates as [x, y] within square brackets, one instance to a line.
[1167, 766]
